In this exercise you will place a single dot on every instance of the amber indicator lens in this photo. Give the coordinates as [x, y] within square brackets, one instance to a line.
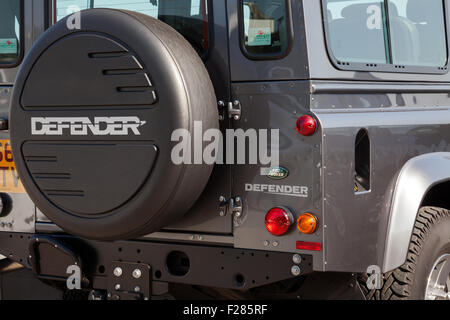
[307, 223]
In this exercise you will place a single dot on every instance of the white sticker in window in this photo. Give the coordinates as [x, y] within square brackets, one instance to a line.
[260, 32]
[8, 46]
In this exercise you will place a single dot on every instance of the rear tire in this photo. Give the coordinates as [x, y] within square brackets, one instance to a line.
[430, 241]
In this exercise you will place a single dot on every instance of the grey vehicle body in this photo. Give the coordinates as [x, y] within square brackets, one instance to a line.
[405, 116]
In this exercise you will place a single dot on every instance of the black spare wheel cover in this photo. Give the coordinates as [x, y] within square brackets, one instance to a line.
[92, 115]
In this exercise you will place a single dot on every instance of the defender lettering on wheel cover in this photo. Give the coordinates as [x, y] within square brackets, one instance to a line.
[82, 126]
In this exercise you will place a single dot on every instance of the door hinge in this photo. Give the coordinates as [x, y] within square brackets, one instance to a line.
[236, 206]
[233, 205]
[233, 109]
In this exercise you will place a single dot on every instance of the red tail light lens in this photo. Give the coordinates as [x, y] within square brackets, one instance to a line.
[310, 246]
[278, 220]
[306, 125]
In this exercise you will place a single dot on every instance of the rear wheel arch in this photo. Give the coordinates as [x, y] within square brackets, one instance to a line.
[417, 185]
[425, 273]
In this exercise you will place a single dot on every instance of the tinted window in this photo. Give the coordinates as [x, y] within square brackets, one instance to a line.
[406, 32]
[9, 31]
[418, 32]
[357, 31]
[189, 17]
[265, 26]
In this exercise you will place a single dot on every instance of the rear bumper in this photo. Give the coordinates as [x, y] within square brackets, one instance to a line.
[49, 255]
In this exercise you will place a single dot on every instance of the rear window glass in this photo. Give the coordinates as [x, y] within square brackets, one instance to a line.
[265, 27]
[188, 17]
[396, 32]
[418, 32]
[353, 36]
[10, 29]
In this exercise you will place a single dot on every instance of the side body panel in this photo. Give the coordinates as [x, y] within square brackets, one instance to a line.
[357, 222]
[405, 115]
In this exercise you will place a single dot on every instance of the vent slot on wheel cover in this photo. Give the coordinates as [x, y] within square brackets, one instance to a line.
[107, 68]
[75, 176]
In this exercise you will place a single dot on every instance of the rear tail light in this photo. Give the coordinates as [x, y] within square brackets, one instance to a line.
[278, 220]
[306, 125]
[307, 223]
[309, 246]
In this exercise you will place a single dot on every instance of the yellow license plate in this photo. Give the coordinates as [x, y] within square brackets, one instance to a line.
[9, 179]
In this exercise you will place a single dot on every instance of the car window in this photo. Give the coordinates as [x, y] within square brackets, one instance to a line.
[399, 33]
[188, 17]
[265, 27]
[10, 29]
[357, 31]
[418, 32]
